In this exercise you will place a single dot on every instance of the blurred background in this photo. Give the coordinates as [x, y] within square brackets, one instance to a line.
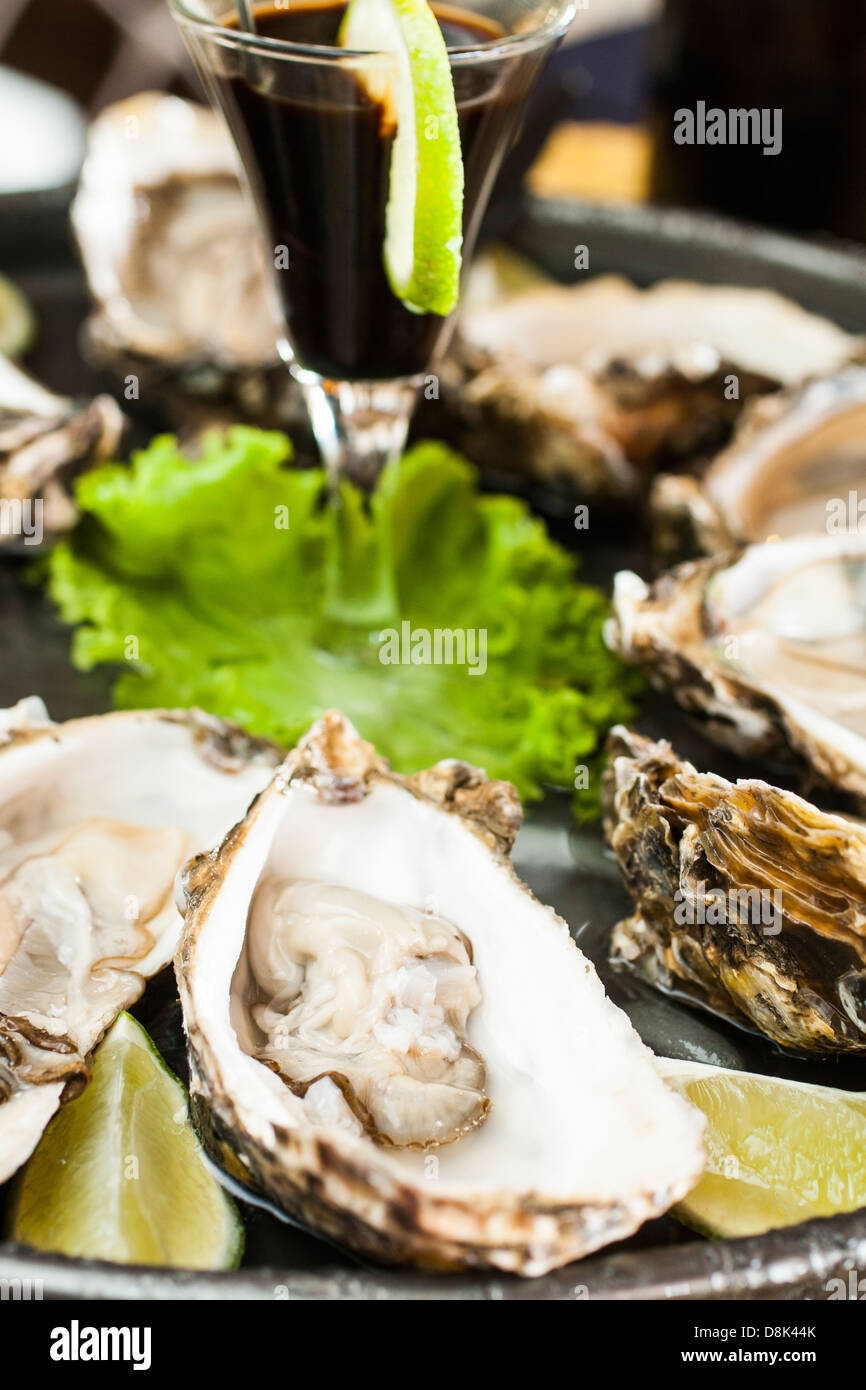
[601, 126]
[95, 50]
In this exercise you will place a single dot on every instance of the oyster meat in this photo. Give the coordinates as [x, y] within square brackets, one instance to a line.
[396, 1043]
[45, 440]
[96, 817]
[595, 384]
[749, 901]
[391, 1032]
[797, 463]
[769, 646]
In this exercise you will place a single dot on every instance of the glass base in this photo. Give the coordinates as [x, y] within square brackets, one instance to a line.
[359, 426]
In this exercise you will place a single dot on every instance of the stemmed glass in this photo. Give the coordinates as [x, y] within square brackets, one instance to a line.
[316, 162]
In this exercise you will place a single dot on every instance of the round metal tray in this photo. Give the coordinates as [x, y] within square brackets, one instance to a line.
[568, 868]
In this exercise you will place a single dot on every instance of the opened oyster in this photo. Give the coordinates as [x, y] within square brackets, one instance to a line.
[96, 817]
[769, 646]
[396, 1043]
[749, 901]
[796, 463]
[172, 254]
[45, 440]
[596, 384]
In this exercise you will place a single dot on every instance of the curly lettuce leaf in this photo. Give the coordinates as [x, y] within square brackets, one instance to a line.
[229, 581]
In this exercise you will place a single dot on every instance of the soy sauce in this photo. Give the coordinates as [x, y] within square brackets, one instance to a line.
[317, 151]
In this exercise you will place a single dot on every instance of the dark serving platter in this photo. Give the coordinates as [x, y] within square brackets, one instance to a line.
[565, 866]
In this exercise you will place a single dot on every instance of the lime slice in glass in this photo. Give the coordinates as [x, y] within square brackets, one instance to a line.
[424, 218]
[17, 324]
[778, 1152]
[119, 1173]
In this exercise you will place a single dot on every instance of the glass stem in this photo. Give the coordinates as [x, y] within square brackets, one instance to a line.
[359, 426]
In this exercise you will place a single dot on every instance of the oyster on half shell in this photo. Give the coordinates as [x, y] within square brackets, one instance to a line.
[173, 257]
[768, 645]
[395, 1042]
[96, 817]
[168, 241]
[796, 460]
[749, 901]
[595, 384]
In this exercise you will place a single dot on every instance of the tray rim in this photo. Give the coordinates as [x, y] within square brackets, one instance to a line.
[795, 1262]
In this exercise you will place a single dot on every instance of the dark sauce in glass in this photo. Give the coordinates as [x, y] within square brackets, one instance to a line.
[317, 152]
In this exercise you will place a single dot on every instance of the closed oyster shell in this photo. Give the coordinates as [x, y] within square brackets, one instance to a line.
[581, 1141]
[96, 817]
[768, 645]
[749, 901]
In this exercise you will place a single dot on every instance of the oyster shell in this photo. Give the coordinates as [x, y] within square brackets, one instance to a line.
[769, 646]
[792, 466]
[96, 817]
[45, 440]
[172, 254]
[749, 901]
[595, 384]
[580, 1142]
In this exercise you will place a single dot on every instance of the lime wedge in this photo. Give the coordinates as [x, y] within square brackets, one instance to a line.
[778, 1152]
[119, 1173]
[17, 324]
[424, 217]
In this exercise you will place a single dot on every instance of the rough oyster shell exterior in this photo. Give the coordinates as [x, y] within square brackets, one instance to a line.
[45, 441]
[749, 901]
[590, 387]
